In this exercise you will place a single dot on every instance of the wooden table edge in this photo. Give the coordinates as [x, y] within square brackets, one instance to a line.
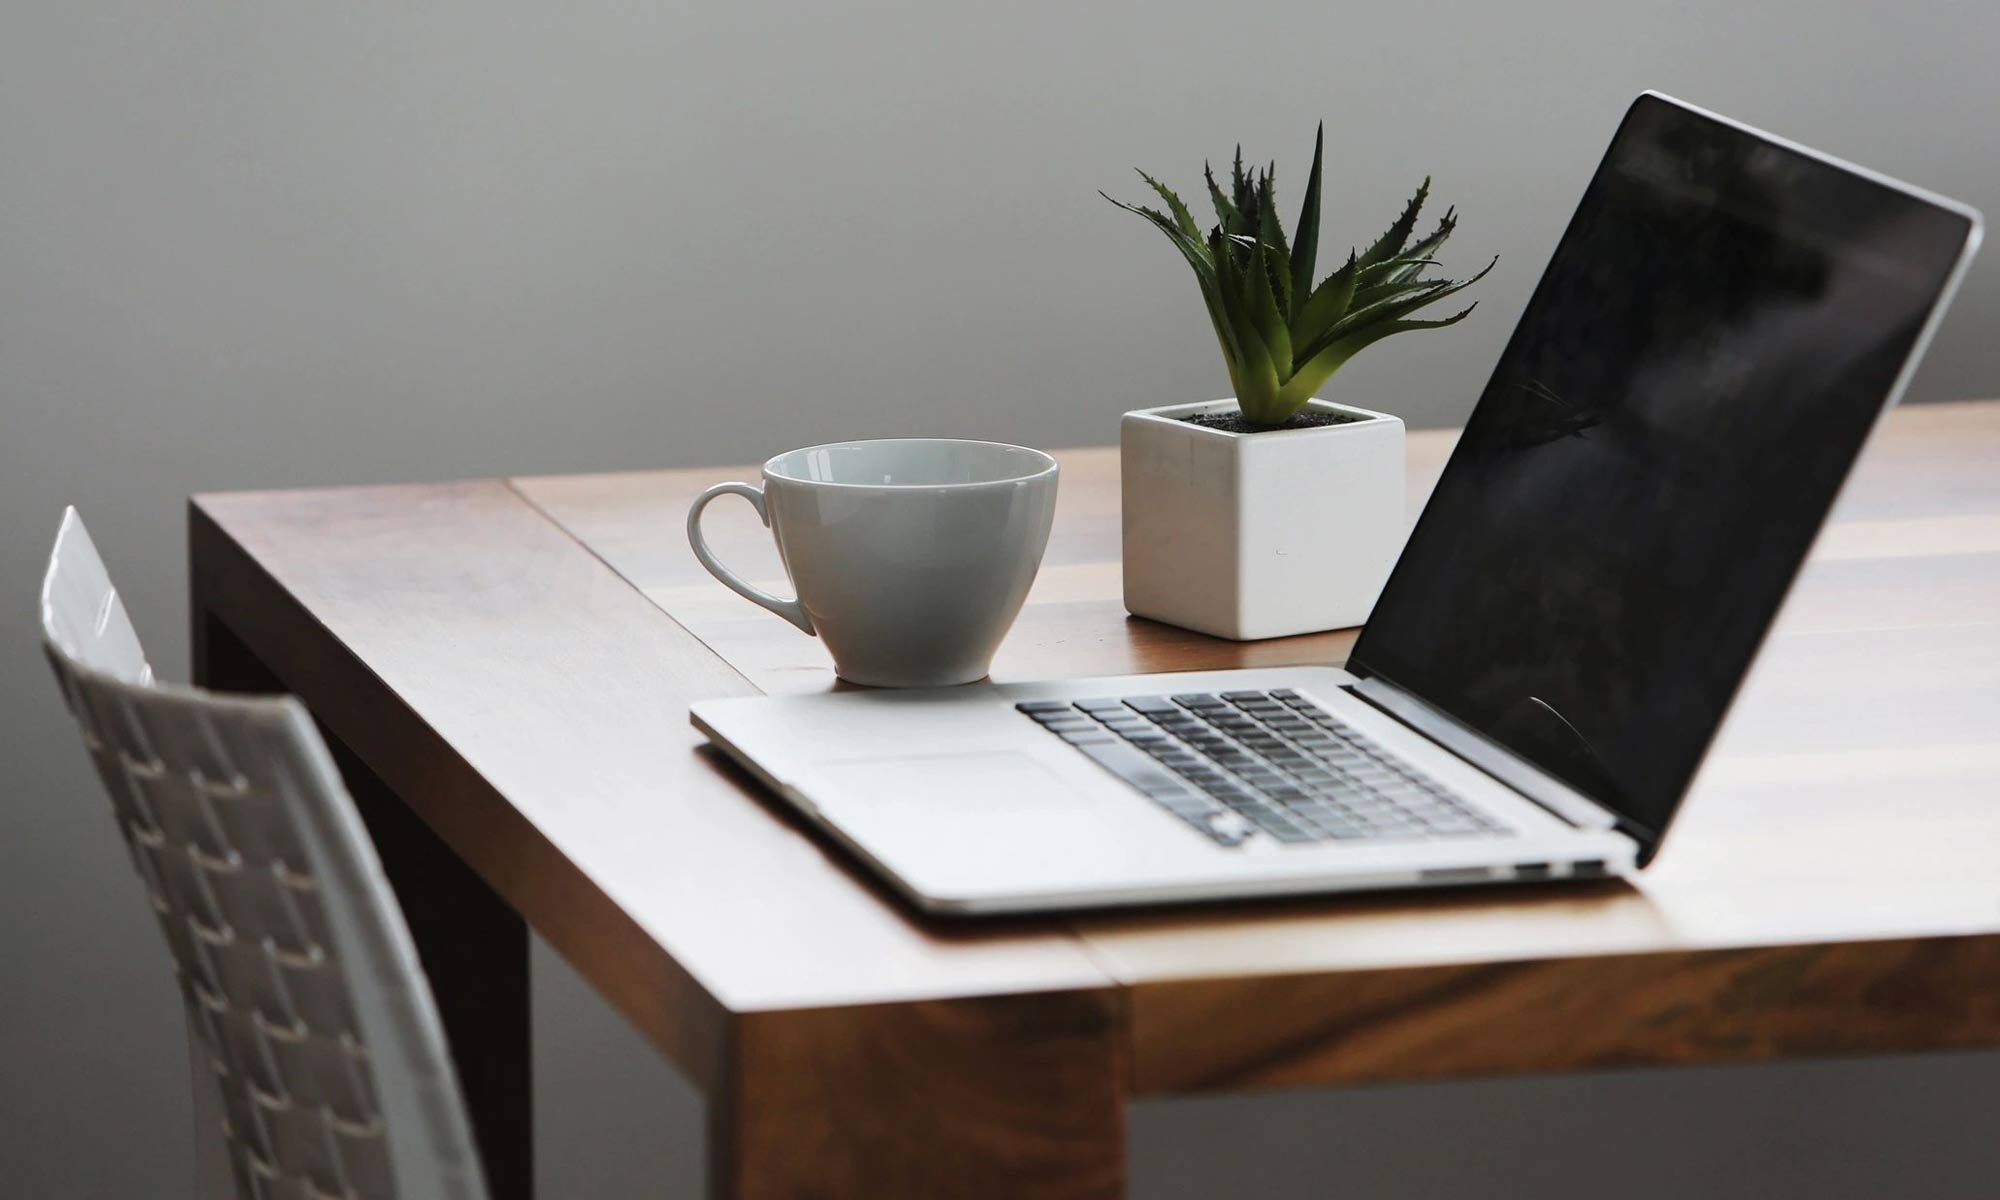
[233, 596]
[1573, 1014]
[1071, 1056]
[929, 1091]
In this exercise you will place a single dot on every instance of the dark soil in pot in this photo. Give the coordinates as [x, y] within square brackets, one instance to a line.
[1233, 422]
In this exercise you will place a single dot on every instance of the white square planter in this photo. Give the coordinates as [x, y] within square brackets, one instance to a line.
[1259, 535]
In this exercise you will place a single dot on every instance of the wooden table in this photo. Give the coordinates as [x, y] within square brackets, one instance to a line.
[506, 666]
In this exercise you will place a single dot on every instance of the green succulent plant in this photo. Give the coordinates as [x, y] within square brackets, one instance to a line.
[1282, 336]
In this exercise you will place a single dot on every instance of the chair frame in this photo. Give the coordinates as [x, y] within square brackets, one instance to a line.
[327, 1070]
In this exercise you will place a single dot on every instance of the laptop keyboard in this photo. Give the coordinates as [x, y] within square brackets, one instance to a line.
[1237, 765]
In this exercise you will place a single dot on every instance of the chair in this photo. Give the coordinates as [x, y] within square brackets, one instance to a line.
[302, 988]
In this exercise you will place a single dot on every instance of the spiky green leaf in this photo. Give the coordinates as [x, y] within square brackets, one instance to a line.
[1374, 293]
[1394, 308]
[1227, 305]
[1265, 313]
[1309, 378]
[1270, 229]
[1226, 214]
[1384, 271]
[1420, 252]
[1182, 217]
[1305, 236]
[1241, 190]
[1277, 264]
[1391, 243]
[1256, 376]
[1369, 285]
[1381, 310]
[1327, 304]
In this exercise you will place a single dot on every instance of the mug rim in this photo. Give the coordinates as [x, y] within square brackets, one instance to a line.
[1048, 464]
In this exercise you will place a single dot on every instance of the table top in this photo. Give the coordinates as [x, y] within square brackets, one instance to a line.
[540, 639]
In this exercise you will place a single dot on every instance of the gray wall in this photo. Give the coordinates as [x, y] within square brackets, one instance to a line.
[277, 244]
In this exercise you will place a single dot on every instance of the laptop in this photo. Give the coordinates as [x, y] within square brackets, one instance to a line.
[1724, 320]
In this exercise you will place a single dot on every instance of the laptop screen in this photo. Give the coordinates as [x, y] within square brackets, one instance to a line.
[1720, 326]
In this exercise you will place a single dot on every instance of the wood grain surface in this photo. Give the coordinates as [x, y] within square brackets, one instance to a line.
[515, 660]
[1001, 1096]
[533, 709]
[1568, 1014]
[1851, 798]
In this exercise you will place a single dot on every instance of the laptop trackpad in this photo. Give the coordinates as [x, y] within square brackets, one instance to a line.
[987, 781]
[957, 828]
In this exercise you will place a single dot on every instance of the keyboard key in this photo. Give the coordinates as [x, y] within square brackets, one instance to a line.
[1290, 834]
[1199, 700]
[1042, 706]
[1187, 804]
[1151, 704]
[1101, 706]
[1133, 767]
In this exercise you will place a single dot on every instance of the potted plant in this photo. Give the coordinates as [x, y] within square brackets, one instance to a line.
[1275, 512]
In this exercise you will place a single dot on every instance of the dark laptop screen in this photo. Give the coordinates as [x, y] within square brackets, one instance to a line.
[1720, 326]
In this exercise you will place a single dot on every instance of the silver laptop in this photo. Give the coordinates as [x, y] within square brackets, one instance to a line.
[1721, 325]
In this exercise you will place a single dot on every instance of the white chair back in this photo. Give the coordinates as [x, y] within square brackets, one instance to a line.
[301, 984]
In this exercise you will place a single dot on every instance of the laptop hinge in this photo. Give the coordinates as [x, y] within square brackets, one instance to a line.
[1558, 798]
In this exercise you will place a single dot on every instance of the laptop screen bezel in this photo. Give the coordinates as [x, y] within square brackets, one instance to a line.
[1524, 774]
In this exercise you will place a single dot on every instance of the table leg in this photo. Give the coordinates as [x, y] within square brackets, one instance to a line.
[1010, 1096]
[474, 948]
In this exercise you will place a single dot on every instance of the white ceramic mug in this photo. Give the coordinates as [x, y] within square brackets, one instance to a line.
[910, 556]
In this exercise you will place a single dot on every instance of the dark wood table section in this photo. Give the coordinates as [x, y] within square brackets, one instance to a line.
[505, 667]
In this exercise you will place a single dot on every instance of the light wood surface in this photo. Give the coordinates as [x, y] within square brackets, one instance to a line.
[1850, 797]
[1004, 1096]
[515, 660]
[531, 708]
[564, 694]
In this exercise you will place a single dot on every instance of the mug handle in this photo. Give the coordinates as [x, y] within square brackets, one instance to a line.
[791, 610]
